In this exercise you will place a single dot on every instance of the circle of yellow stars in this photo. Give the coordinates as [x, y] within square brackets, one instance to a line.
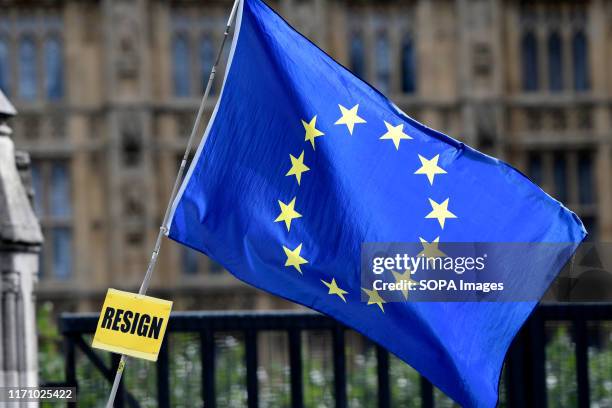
[429, 168]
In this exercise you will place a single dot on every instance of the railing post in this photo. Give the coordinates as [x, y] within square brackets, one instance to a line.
[382, 367]
[207, 351]
[516, 371]
[70, 368]
[339, 366]
[538, 359]
[526, 372]
[163, 380]
[582, 362]
[427, 395]
[250, 338]
[295, 366]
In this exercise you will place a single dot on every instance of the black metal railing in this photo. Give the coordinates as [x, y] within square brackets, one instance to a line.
[524, 383]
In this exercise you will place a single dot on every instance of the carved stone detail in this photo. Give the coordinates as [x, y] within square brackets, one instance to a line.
[127, 28]
[10, 282]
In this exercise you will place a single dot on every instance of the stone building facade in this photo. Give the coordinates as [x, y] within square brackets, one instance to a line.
[108, 90]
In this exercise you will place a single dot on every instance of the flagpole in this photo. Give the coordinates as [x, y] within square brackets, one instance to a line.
[177, 182]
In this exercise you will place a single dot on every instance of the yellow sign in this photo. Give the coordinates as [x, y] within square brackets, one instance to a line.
[132, 324]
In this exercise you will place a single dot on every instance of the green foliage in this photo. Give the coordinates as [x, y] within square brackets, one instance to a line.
[600, 368]
[317, 369]
[50, 360]
[230, 371]
[405, 384]
[361, 373]
[274, 373]
[561, 368]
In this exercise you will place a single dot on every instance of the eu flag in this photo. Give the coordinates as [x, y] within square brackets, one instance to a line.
[302, 162]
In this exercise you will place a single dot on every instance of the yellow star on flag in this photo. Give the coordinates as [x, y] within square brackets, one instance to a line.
[395, 133]
[297, 167]
[440, 212]
[334, 289]
[293, 257]
[374, 298]
[311, 131]
[405, 278]
[430, 249]
[349, 117]
[288, 213]
[430, 168]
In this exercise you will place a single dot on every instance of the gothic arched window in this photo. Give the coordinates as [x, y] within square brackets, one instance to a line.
[54, 69]
[383, 63]
[53, 205]
[181, 66]
[59, 200]
[28, 84]
[357, 56]
[529, 61]
[62, 251]
[408, 66]
[580, 57]
[4, 66]
[207, 59]
[555, 62]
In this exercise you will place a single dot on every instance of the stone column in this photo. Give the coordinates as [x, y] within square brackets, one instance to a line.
[20, 242]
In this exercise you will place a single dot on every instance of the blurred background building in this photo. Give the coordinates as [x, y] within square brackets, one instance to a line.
[107, 92]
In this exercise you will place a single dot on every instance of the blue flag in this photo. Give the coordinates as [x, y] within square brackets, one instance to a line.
[302, 163]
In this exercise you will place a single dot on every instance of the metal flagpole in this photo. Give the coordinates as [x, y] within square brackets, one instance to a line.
[179, 177]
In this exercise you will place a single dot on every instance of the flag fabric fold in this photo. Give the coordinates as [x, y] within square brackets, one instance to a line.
[302, 163]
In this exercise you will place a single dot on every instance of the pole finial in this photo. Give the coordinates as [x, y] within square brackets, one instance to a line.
[6, 107]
